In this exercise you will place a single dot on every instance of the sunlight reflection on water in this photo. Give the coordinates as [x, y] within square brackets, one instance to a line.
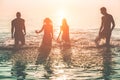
[81, 61]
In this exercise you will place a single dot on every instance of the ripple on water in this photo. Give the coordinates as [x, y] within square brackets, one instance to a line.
[81, 61]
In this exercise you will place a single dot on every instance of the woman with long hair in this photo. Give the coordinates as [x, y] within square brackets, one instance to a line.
[64, 31]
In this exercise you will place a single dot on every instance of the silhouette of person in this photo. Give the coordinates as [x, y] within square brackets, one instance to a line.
[106, 27]
[46, 45]
[48, 32]
[64, 31]
[18, 30]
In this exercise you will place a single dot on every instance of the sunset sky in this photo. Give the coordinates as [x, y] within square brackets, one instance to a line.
[79, 13]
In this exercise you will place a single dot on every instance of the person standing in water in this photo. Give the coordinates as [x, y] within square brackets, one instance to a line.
[46, 45]
[48, 32]
[64, 32]
[106, 27]
[18, 30]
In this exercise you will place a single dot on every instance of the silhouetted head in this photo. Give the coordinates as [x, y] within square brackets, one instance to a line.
[47, 21]
[64, 22]
[103, 10]
[18, 14]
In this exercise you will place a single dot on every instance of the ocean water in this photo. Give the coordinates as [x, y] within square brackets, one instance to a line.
[80, 61]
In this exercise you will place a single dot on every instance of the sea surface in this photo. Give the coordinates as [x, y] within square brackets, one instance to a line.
[81, 60]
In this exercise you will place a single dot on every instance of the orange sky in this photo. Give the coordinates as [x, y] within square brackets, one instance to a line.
[80, 13]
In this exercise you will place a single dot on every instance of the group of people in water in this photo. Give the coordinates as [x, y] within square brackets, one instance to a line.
[18, 30]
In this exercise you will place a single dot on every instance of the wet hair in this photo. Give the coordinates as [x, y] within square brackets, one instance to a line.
[103, 9]
[18, 14]
[47, 20]
[64, 22]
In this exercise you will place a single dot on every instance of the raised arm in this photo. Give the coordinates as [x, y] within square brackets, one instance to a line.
[39, 31]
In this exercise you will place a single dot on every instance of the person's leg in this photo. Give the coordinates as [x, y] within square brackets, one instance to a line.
[23, 40]
[108, 36]
[16, 42]
[108, 40]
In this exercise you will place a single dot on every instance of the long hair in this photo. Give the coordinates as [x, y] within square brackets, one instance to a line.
[64, 22]
[47, 21]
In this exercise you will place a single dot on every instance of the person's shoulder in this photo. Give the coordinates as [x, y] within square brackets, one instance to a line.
[22, 19]
[14, 20]
[102, 16]
[109, 15]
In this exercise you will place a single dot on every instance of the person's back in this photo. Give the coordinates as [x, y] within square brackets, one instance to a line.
[48, 29]
[65, 30]
[107, 20]
[18, 24]
[18, 29]
[65, 34]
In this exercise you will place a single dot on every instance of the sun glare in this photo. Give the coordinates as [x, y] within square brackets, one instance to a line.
[61, 14]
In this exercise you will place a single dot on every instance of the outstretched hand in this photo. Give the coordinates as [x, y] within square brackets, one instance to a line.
[36, 31]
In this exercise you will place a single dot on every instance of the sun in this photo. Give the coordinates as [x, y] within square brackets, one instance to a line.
[60, 15]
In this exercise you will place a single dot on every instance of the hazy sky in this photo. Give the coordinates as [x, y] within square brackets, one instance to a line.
[80, 13]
